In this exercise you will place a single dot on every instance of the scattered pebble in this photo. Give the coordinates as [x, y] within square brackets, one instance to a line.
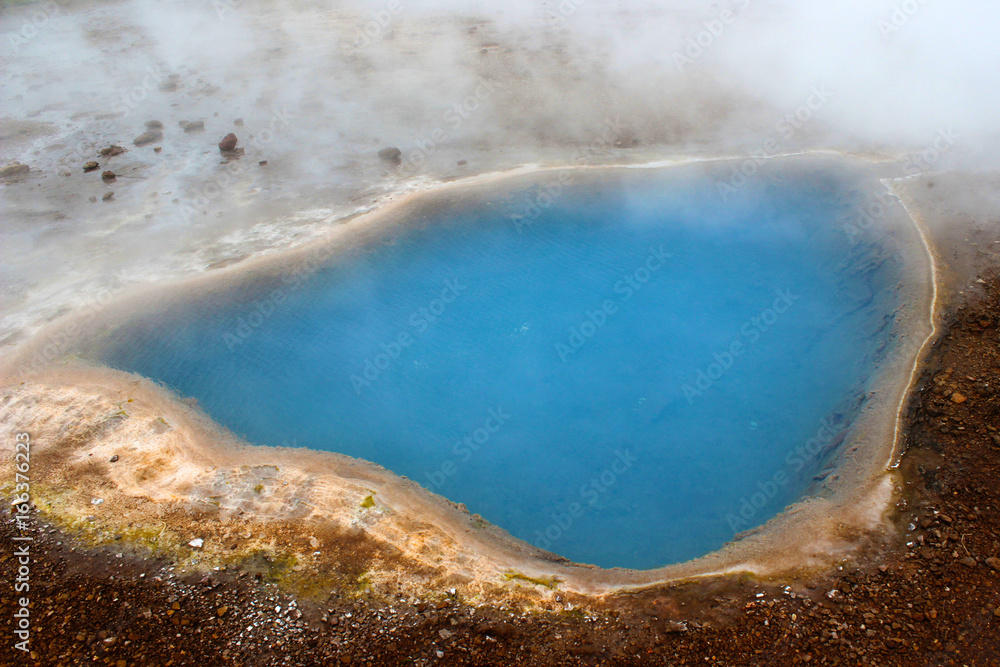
[148, 138]
[391, 154]
[196, 543]
[112, 150]
[228, 142]
[91, 166]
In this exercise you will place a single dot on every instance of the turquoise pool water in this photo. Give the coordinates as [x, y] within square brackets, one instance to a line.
[626, 371]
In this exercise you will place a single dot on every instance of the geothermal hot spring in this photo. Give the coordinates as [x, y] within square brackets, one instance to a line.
[626, 368]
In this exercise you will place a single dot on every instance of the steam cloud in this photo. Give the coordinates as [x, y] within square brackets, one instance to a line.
[322, 86]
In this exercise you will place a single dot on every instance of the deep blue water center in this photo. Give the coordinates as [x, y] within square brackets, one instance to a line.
[625, 371]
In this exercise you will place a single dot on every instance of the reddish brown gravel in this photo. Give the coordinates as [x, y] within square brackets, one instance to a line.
[929, 598]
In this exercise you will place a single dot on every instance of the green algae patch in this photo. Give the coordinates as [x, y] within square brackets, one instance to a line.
[552, 583]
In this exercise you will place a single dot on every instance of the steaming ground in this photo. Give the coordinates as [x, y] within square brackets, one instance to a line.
[315, 90]
[315, 103]
[461, 88]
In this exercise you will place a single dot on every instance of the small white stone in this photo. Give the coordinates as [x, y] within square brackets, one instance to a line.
[196, 543]
[96, 501]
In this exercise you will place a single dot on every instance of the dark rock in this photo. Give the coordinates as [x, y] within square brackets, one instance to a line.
[112, 150]
[391, 154]
[108, 195]
[262, 163]
[194, 126]
[114, 458]
[158, 149]
[228, 142]
[109, 175]
[91, 166]
[147, 138]
[154, 125]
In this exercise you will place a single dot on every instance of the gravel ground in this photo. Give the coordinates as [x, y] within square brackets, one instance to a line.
[928, 598]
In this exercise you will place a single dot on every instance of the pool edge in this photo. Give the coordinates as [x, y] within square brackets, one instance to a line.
[507, 555]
